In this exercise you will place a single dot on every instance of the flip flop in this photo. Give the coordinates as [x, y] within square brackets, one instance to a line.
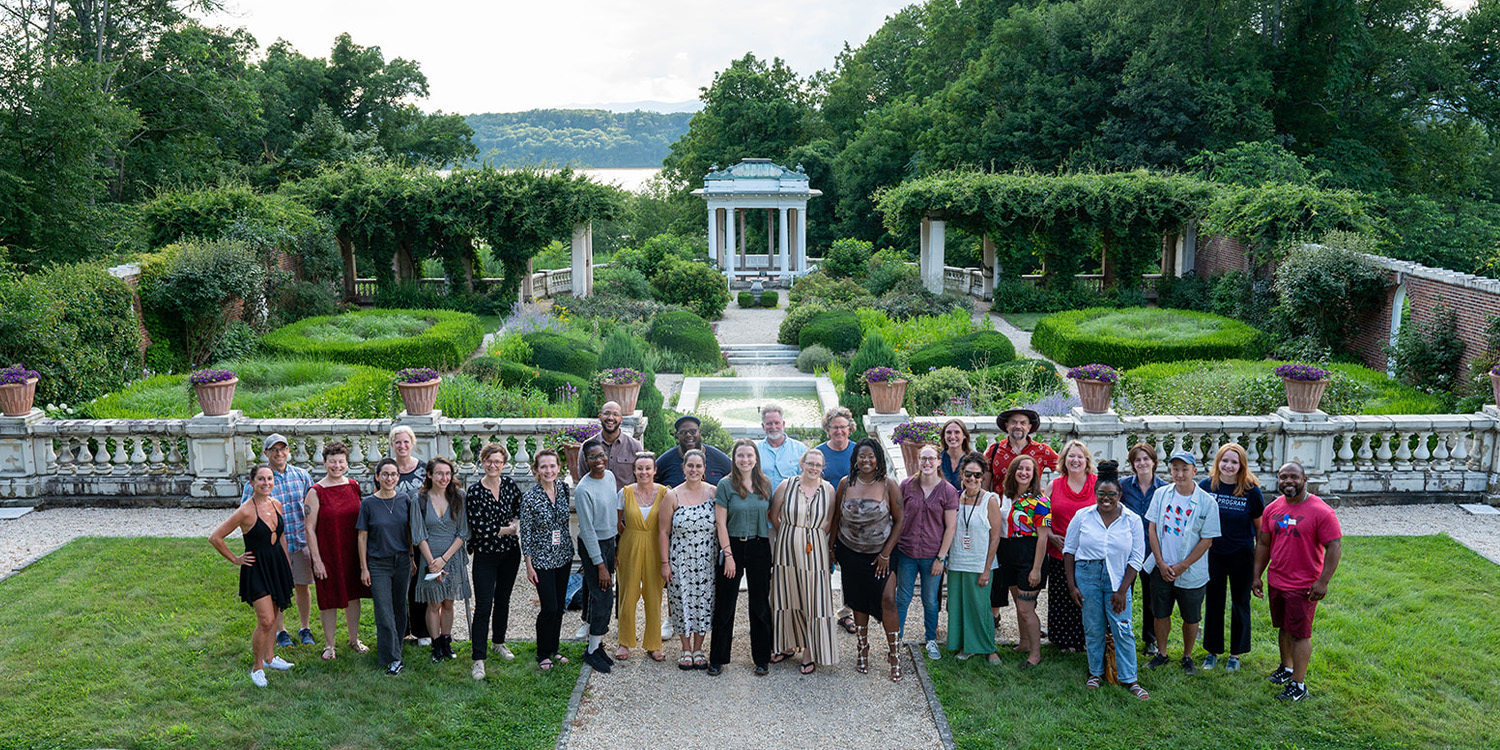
[808, 668]
[359, 647]
[847, 623]
[329, 654]
[545, 665]
[782, 656]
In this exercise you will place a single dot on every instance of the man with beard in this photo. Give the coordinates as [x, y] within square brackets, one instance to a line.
[689, 437]
[620, 447]
[779, 455]
[1300, 540]
[1019, 425]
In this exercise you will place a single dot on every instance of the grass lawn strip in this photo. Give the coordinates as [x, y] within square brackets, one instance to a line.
[1024, 321]
[143, 642]
[1398, 661]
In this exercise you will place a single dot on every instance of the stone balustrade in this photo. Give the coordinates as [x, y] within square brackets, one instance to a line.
[1355, 459]
[205, 460]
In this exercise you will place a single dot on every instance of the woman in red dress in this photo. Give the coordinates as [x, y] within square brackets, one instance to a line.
[332, 512]
[1071, 492]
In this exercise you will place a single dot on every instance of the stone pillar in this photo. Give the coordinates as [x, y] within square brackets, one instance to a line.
[933, 239]
[989, 267]
[713, 237]
[583, 266]
[429, 441]
[527, 292]
[1308, 440]
[730, 257]
[23, 460]
[214, 455]
[1103, 434]
[784, 250]
[802, 238]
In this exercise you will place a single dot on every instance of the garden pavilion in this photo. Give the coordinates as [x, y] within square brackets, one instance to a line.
[757, 184]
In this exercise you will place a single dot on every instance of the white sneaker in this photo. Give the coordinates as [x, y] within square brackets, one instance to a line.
[667, 631]
[582, 632]
[277, 662]
[258, 677]
[478, 670]
[504, 652]
[424, 641]
[932, 651]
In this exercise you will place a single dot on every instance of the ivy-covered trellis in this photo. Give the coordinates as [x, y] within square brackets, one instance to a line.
[392, 218]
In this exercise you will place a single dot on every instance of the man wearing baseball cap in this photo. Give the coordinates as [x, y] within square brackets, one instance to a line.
[1182, 523]
[291, 486]
[1019, 425]
[689, 431]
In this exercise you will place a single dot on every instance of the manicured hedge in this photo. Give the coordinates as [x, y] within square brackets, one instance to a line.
[971, 352]
[554, 351]
[687, 334]
[450, 340]
[838, 330]
[1060, 337]
[790, 331]
[304, 389]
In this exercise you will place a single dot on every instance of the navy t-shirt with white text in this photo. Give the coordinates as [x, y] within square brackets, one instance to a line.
[1237, 514]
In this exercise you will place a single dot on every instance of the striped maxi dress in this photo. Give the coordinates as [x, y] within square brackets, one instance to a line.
[801, 576]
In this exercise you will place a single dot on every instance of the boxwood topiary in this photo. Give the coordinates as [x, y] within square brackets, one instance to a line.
[797, 317]
[838, 330]
[770, 299]
[746, 299]
[971, 352]
[687, 334]
[444, 345]
[1068, 338]
[554, 351]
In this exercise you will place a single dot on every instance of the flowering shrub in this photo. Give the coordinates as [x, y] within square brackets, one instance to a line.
[1055, 405]
[621, 376]
[1299, 371]
[416, 375]
[915, 432]
[566, 392]
[1095, 371]
[16, 375]
[205, 377]
[883, 375]
[572, 435]
[1495, 370]
[525, 318]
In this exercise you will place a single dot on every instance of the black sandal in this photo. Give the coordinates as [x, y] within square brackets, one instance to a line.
[809, 667]
[847, 623]
[778, 658]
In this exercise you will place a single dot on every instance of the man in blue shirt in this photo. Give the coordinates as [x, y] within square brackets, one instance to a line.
[779, 454]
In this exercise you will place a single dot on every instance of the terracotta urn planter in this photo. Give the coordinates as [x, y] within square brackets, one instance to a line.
[418, 398]
[909, 453]
[1495, 387]
[888, 395]
[215, 398]
[1095, 395]
[16, 398]
[1302, 396]
[575, 465]
[625, 394]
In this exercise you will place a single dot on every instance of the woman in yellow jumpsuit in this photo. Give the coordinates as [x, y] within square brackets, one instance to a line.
[639, 558]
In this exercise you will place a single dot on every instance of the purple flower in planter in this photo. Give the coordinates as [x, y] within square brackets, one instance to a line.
[1495, 370]
[1095, 371]
[572, 435]
[883, 375]
[1055, 405]
[416, 375]
[915, 432]
[205, 377]
[16, 375]
[1300, 371]
[621, 376]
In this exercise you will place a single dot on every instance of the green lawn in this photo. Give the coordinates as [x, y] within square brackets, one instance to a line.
[1024, 321]
[1405, 655]
[491, 323]
[143, 643]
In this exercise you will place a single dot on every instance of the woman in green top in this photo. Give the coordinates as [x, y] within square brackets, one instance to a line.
[742, 503]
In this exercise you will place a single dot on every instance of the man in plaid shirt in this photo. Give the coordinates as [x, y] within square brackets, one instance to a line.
[291, 487]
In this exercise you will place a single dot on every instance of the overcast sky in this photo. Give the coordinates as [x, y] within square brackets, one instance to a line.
[511, 55]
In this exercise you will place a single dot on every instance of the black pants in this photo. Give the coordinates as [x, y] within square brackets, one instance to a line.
[598, 603]
[494, 579]
[552, 589]
[1233, 571]
[416, 612]
[752, 558]
[1148, 614]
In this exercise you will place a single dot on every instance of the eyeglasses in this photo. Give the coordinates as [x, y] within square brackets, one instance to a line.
[1106, 494]
[973, 474]
[926, 459]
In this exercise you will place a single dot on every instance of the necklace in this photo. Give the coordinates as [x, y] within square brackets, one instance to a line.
[390, 505]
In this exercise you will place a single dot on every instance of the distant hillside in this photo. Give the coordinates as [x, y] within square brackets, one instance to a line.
[592, 138]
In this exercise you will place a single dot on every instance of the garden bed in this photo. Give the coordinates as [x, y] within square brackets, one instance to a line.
[389, 339]
[1245, 387]
[268, 388]
[1129, 337]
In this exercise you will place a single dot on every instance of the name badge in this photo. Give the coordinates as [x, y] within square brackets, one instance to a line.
[556, 536]
[966, 542]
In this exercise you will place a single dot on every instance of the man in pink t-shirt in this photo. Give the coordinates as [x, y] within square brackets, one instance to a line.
[1299, 540]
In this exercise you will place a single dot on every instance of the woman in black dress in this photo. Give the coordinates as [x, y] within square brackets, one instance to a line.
[265, 572]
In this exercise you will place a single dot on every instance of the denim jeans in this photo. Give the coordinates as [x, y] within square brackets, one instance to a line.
[1093, 581]
[907, 570]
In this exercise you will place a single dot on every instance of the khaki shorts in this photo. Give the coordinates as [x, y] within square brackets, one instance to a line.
[301, 561]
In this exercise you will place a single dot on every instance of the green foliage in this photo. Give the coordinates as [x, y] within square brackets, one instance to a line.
[268, 388]
[687, 334]
[1022, 375]
[1428, 354]
[1251, 164]
[1245, 387]
[838, 330]
[973, 351]
[75, 325]
[1016, 296]
[445, 341]
[1132, 337]
[210, 213]
[770, 298]
[305, 299]
[490, 369]
[236, 342]
[888, 270]
[846, 258]
[746, 299]
[873, 352]
[610, 307]
[511, 346]
[753, 108]
[790, 330]
[188, 288]
[552, 351]
[934, 390]
[621, 282]
[696, 286]
[814, 358]
[1273, 216]
[819, 288]
[463, 397]
[590, 138]
[620, 349]
[1324, 291]
[909, 298]
[914, 333]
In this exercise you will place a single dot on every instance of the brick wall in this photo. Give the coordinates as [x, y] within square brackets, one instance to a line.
[1218, 254]
[131, 275]
[1475, 299]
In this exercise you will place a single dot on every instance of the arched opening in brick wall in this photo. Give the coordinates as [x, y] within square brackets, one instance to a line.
[1398, 310]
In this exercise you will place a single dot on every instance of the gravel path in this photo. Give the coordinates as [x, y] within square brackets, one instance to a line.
[753, 326]
[1022, 341]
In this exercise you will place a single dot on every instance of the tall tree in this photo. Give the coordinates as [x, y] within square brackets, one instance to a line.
[753, 108]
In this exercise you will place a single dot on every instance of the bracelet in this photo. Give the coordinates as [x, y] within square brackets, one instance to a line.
[727, 553]
[883, 557]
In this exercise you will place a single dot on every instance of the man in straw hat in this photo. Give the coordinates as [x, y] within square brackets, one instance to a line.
[1019, 425]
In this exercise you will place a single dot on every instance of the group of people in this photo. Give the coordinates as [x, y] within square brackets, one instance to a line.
[690, 524]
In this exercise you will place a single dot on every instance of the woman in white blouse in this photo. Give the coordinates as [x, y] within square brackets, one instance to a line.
[1102, 556]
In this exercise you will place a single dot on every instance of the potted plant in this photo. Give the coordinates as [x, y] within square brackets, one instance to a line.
[1096, 384]
[17, 390]
[215, 390]
[1495, 383]
[622, 385]
[887, 388]
[569, 440]
[419, 388]
[1304, 386]
[911, 436]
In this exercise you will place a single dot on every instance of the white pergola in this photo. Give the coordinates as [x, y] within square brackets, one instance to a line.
[757, 184]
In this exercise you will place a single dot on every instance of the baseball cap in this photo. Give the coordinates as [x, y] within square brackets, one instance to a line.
[1185, 457]
[274, 438]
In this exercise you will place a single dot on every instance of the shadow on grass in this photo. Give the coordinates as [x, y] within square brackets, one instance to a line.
[143, 643]
[1404, 655]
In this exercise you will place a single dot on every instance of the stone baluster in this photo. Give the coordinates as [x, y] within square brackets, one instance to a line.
[1383, 455]
[357, 464]
[466, 456]
[102, 457]
[1440, 451]
[1366, 454]
[1460, 454]
[1422, 458]
[66, 456]
[375, 456]
[137, 456]
[158, 458]
[1344, 458]
[175, 462]
[49, 456]
[522, 456]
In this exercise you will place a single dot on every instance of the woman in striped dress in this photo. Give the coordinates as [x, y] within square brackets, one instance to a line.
[801, 587]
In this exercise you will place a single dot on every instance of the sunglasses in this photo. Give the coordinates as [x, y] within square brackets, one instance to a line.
[973, 474]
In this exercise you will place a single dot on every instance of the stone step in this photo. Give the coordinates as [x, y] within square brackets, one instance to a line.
[746, 360]
[778, 348]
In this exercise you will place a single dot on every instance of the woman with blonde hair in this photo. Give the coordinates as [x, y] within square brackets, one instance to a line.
[1231, 560]
[742, 518]
[638, 563]
[1071, 492]
[801, 583]
[403, 442]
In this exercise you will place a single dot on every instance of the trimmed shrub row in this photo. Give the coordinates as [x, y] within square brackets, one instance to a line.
[302, 389]
[554, 351]
[974, 351]
[515, 375]
[837, 330]
[1059, 336]
[768, 298]
[687, 334]
[445, 345]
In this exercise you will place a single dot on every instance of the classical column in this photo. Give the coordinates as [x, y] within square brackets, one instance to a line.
[802, 238]
[744, 261]
[729, 253]
[785, 249]
[583, 270]
[932, 242]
